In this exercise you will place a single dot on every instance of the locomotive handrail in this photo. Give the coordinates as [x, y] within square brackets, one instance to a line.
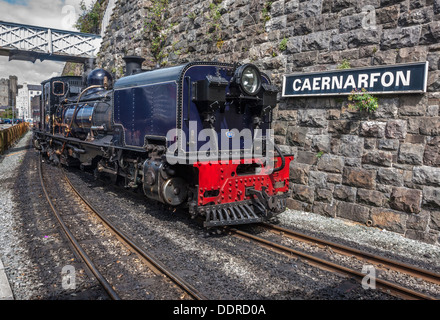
[283, 159]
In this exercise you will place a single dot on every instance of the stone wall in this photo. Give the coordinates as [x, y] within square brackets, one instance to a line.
[380, 169]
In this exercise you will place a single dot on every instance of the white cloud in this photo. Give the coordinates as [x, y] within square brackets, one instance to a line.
[57, 14]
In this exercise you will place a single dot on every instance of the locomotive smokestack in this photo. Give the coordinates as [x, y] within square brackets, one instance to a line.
[133, 65]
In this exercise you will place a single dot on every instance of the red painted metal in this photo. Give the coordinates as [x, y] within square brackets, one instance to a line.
[219, 182]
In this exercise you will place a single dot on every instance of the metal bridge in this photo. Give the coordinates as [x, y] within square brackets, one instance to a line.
[25, 42]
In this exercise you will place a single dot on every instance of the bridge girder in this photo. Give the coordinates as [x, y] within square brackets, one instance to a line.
[29, 43]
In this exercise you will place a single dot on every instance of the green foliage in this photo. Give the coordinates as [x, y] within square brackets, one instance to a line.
[156, 26]
[320, 154]
[344, 65]
[265, 12]
[283, 44]
[8, 114]
[192, 16]
[89, 20]
[363, 101]
[214, 21]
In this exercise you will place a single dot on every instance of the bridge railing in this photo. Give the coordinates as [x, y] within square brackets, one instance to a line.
[10, 135]
[26, 42]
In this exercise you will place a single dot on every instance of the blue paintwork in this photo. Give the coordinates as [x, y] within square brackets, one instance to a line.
[147, 104]
[150, 77]
[146, 110]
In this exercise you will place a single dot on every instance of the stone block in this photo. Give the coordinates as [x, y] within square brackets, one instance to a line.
[324, 209]
[334, 178]
[435, 220]
[358, 177]
[352, 211]
[428, 176]
[306, 157]
[431, 197]
[280, 127]
[406, 200]
[351, 146]
[390, 176]
[388, 144]
[299, 173]
[430, 126]
[436, 6]
[430, 33]
[321, 143]
[379, 158]
[389, 220]
[296, 136]
[318, 179]
[418, 221]
[333, 114]
[323, 195]
[362, 37]
[344, 193]
[331, 163]
[431, 157]
[416, 17]
[297, 205]
[343, 126]
[400, 37]
[303, 193]
[371, 197]
[411, 153]
[396, 129]
[313, 118]
[388, 107]
[316, 41]
[372, 129]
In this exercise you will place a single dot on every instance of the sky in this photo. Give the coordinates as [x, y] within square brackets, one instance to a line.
[57, 14]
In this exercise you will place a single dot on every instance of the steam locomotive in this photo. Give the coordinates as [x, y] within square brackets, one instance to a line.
[197, 135]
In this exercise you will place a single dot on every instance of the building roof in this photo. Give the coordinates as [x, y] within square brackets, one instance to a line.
[35, 87]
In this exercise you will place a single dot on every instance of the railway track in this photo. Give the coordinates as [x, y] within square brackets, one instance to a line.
[381, 284]
[147, 258]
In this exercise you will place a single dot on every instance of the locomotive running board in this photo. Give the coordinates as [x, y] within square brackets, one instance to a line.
[231, 214]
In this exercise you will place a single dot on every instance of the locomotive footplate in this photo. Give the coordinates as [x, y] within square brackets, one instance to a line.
[243, 212]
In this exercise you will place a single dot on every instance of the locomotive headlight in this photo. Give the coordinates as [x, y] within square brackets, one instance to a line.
[249, 78]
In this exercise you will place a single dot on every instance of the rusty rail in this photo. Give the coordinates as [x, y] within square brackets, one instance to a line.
[10, 135]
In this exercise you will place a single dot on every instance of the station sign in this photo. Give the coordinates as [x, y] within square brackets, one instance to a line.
[399, 78]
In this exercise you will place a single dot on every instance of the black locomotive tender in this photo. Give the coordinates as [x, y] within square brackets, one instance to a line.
[122, 128]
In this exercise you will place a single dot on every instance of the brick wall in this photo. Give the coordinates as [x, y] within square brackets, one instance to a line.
[380, 169]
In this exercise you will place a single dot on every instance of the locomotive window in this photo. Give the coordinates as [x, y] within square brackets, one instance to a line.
[58, 88]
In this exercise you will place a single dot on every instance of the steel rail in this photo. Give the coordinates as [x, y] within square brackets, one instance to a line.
[104, 283]
[392, 264]
[144, 254]
[383, 285]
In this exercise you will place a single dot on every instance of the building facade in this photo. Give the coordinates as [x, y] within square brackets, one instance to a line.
[24, 98]
[8, 92]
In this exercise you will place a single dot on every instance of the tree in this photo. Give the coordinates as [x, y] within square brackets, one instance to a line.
[89, 20]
